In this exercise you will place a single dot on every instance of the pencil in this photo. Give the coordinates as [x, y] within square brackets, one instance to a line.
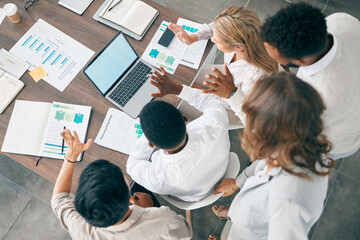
[62, 143]
[114, 5]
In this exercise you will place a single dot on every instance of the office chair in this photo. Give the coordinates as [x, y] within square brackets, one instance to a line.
[231, 172]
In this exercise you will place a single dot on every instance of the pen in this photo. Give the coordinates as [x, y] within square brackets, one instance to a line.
[62, 144]
[114, 5]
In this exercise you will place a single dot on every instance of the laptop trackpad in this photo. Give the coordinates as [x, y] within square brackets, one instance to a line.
[139, 100]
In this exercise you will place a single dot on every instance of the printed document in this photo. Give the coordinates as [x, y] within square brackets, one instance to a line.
[167, 57]
[60, 56]
[195, 51]
[119, 132]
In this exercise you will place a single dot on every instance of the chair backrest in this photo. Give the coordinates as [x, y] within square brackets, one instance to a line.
[231, 172]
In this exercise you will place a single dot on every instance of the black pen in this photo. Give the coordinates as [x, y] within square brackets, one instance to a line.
[114, 5]
[62, 143]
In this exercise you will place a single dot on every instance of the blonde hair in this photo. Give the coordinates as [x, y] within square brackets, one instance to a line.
[242, 26]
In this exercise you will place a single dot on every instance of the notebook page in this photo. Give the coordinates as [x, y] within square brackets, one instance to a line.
[26, 127]
[138, 17]
[72, 117]
[117, 13]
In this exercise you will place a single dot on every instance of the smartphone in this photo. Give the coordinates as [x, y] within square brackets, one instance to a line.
[166, 38]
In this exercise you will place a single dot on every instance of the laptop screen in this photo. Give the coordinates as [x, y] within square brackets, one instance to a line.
[111, 63]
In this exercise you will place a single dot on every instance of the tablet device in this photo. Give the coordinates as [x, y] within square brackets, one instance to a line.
[78, 6]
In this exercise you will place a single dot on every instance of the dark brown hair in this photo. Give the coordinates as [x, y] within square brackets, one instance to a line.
[283, 123]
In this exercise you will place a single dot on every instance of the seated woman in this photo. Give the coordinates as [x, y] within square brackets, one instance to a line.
[283, 191]
[235, 31]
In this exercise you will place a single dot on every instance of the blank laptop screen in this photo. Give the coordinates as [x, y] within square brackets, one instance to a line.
[111, 64]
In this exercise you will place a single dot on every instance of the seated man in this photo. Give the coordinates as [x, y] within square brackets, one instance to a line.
[101, 207]
[192, 158]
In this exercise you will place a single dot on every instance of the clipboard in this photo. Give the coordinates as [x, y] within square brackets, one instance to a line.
[118, 27]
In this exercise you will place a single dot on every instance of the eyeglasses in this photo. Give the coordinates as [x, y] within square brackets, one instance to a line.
[29, 3]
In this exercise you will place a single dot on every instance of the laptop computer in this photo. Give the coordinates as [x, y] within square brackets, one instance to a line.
[121, 76]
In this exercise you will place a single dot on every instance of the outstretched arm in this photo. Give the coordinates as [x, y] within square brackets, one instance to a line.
[75, 148]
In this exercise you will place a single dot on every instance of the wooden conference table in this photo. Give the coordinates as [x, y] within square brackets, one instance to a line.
[81, 91]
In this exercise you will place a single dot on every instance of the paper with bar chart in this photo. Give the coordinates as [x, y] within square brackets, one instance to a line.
[64, 116]
[60, 56]
[195, 51]
[167, 57]
[119, 131]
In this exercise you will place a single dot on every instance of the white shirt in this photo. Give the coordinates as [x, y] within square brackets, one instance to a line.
[276, 205]
[245, 74]
[143, 223]
[336, 77]
[192, 173]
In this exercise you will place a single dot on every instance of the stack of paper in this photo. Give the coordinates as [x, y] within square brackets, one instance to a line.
[12, 64]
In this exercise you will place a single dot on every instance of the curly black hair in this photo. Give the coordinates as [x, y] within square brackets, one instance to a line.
[297, 31]
[162, 124]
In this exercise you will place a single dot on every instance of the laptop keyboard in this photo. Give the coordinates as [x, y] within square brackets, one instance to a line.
[131, 84]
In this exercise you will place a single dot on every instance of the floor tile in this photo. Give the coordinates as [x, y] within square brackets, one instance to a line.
[332, 177]
[351, 166]
[37, 221]
[273, 6]
[349, 6]
[44, 192]
[236, 148]
[340, 219]
[203, 219]
[13, 200]
[202, 11]
[19, 174]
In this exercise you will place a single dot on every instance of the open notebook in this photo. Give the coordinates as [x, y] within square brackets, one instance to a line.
[133, 15]
[34, 128]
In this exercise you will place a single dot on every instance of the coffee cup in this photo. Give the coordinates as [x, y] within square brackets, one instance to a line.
[11, 11]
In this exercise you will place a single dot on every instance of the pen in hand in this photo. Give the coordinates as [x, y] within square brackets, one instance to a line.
[114, 5]
[62, 143]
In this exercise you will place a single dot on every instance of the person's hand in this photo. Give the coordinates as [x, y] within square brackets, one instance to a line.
[222, 85]
[142, 200]
[181, 34]
[164, 84]
[75, 147]
[227, 187]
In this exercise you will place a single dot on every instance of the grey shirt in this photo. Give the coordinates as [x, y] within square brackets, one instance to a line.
[143, 223]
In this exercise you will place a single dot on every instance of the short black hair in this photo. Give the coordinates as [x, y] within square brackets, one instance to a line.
[162, 124]
[298, 30]
[102, 197]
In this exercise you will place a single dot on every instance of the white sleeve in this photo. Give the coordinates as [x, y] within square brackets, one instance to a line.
[139, 167]
[205, 32]
[236, 102]
[206, 103]
[248, 172]
[288, 220]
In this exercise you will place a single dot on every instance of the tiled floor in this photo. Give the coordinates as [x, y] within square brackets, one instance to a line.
[25, 211]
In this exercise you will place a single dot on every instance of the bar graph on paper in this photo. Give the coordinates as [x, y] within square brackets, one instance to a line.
[72, 117]
[61, 56]
[50, 54]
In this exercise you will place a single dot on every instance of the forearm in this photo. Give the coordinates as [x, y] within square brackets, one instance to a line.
[64, 180]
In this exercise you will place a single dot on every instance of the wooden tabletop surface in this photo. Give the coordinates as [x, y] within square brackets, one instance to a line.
[93, 35]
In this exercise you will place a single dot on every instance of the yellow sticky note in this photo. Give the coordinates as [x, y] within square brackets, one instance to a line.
[38, 73]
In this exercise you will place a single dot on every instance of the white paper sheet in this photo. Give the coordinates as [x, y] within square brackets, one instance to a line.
[167, 57]
[119, 131]
[12, 64]
[72, 117]
[2, 15]
[61, 56]
[195, 51]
